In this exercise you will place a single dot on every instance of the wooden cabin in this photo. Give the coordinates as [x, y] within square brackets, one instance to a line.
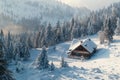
[82, 49]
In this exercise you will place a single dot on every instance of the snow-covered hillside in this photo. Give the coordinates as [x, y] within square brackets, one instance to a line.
[42, 9]
[104, 65]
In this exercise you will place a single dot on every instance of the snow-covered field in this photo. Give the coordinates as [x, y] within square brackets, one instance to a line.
[104, 65]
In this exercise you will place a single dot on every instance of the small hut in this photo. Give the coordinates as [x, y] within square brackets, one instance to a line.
[82, 49]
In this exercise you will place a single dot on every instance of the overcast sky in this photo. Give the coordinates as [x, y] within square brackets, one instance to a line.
[91, 4]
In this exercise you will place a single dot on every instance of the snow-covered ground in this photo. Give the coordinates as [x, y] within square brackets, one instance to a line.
[104, 65]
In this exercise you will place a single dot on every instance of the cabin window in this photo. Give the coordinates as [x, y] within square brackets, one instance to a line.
[78, 54]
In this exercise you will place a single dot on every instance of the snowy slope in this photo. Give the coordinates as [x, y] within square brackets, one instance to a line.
[104, 65]
[43, 9]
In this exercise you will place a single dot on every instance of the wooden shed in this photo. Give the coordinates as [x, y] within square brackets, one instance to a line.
[82, 49]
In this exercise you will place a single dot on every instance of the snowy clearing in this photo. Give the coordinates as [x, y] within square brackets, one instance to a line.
[104, 64]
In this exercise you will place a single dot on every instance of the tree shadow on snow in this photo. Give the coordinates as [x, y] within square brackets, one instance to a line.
[116, 41]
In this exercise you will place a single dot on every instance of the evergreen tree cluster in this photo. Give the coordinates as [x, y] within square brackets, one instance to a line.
[42, 61]
[106, 20]
[5, 74]
[14, 47]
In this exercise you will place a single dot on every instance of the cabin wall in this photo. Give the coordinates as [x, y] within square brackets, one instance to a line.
[80, 54]
[74, 55]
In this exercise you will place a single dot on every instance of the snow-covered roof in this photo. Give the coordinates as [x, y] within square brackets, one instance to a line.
[75, 43]
[88, 44]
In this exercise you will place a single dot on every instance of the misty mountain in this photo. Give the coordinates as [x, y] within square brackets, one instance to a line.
[33, 12]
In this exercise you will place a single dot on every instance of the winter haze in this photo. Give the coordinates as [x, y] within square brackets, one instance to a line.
[91, 4]
[54, 40]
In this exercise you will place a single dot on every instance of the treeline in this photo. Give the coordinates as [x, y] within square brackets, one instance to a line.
[13, 47]
[98, 20]
[48, 35]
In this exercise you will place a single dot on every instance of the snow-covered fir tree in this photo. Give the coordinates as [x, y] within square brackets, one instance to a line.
[117, 30]
[111, 30]
[42, 60]
[58, 37]
[108, 31]
[48, 35]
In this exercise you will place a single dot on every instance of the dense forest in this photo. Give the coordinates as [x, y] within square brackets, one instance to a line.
[49, 35]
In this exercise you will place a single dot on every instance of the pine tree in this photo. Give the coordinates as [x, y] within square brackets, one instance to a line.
[42, 60]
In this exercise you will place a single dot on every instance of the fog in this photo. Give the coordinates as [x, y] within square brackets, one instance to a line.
[90, 4]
